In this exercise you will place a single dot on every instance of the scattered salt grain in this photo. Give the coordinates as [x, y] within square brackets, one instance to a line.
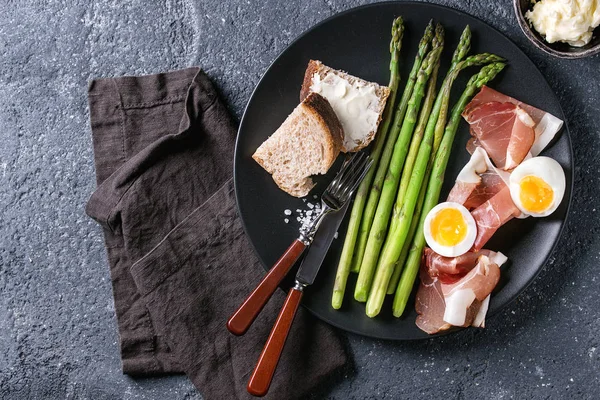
[304, 217]
[335, 236]
[315, 196]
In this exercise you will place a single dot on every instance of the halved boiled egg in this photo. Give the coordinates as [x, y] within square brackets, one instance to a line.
[537, 186]
[450, 229]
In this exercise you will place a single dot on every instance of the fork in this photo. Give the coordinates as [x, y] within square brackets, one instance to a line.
[337, 193]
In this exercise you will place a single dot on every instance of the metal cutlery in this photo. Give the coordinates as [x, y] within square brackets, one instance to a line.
[335, 198]
[336, 194]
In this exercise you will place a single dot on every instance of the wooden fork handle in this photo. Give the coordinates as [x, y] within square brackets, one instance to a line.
[261, 377]
[245, 315]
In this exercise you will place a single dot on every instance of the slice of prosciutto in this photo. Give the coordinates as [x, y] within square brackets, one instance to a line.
[468, 178]
[492, 214]
[546, 124]
[491, 184]
[477, 284]
[430, 304]
[451, 269]
[463, 302]
[478, 181]
[504, 130]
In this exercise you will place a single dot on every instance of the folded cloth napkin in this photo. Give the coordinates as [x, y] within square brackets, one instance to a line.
[180, 262]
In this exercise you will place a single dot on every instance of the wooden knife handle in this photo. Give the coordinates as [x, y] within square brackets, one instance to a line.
[261, 377]
[241, 320]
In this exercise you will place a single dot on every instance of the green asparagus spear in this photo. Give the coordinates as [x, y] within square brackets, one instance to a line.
[363, 190]
[434, 187]
[438, 41]
[382, 167]
[411, 234]
[392, 179]
[395, 240]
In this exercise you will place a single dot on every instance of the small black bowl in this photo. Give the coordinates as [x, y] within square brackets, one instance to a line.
[558, 49]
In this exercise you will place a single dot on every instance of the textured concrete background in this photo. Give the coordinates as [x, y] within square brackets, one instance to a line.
[58, 336]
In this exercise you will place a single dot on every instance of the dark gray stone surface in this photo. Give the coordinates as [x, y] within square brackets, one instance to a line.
[58, 334]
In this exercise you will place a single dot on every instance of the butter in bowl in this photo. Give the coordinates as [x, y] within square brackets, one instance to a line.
[562, 28]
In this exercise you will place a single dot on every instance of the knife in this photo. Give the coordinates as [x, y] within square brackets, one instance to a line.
[333, 199]
[261, 377]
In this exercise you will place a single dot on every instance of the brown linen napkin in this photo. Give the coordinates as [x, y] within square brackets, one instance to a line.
[179, 260]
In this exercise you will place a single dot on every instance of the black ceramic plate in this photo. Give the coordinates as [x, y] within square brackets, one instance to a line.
[357, 41]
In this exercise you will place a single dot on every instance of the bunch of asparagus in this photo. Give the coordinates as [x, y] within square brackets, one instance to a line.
[384, 242]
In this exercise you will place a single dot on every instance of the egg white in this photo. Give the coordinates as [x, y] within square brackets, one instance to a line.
[460, 248]
[545, 168]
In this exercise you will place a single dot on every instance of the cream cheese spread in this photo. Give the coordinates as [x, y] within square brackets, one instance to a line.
[354, 104]
[569, 21]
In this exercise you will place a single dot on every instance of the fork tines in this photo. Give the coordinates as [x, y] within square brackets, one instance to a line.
[349, 176]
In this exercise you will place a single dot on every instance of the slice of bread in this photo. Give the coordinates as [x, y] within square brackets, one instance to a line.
[358, 104]
[307, 143]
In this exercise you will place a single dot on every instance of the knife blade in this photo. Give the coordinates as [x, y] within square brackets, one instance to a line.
[320, 246]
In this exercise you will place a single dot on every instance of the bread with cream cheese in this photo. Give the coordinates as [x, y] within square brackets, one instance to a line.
[359, 104]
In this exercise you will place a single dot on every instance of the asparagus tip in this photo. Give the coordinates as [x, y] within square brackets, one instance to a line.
[397, 34]
[438, 39]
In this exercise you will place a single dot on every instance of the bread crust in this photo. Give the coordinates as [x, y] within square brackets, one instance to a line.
[325, 113]
[312, 68]
[315, 66]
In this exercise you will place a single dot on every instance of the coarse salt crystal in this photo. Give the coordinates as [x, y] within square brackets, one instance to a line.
[287, 212]
[310, 205]
[286, 220]
[335, 236]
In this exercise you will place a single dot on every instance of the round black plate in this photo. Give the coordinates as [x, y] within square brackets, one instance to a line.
[357, 41]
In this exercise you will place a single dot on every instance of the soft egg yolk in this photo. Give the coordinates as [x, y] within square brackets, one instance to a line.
[448, 227]
[535, 194]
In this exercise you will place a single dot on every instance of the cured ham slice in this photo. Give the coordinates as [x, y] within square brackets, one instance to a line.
[521, 140]
[480, 280]
[504, 130]
[546, 124]
[451, 269]
[492, 214]
[430, 304]
[478, 181]
[477, 284]
[464, 302]
[491, 184]
[468, 178]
